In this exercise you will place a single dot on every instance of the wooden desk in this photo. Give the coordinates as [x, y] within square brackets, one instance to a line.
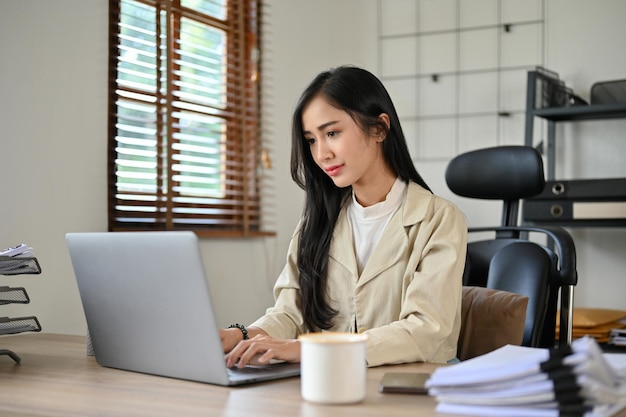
[57, 378]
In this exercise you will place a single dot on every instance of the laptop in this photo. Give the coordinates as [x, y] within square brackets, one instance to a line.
[148, 307]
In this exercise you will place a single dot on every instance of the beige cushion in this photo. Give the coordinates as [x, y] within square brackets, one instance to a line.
[490, 319]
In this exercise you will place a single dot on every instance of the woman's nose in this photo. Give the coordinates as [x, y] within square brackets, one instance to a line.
[323, 151]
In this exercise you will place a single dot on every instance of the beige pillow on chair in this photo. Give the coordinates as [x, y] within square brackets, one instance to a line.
[490, 319]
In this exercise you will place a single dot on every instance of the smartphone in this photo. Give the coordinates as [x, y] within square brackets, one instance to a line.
[404, 383]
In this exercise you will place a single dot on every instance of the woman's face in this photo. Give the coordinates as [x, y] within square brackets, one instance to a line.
[339, 146]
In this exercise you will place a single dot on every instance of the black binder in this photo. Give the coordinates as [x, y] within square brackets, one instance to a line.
[592, 202]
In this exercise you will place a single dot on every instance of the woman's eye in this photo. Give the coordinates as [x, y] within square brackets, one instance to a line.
[331, 133]
[311, 141]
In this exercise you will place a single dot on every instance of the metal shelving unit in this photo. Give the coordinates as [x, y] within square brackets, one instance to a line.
[597, 202]
[17, 295]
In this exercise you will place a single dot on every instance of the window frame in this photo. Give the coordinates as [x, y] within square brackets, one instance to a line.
[239, 212]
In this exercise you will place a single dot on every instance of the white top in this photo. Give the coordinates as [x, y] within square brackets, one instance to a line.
[368, 223]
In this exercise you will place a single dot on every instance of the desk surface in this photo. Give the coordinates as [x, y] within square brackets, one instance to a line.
[57, 378]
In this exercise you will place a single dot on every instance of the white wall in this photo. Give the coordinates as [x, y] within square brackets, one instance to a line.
[53, 158]
[53, 153]
[584, 45]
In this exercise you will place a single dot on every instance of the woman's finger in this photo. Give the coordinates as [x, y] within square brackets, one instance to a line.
[237, 355]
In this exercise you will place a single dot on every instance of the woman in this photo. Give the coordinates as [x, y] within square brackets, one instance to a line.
[375, 250]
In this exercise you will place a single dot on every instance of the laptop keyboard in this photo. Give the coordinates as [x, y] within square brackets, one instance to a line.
[250, 369]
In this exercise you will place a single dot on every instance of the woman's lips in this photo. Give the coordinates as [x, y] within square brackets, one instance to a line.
[333, 170]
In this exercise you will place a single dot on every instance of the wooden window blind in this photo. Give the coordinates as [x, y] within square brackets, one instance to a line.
[184, 147]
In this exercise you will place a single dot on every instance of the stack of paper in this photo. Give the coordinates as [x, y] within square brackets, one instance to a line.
[579, 380]
[18, 259]
[18, 250]
[618, 337]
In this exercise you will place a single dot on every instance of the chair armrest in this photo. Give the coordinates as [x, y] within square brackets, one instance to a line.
[568, 275]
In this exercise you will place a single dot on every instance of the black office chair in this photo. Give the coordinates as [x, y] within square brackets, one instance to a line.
[510, 260]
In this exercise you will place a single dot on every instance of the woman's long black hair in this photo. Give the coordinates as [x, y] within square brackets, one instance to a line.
[364, 98]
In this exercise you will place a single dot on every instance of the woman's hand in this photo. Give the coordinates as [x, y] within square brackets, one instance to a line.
[230, 338]
[261, 349]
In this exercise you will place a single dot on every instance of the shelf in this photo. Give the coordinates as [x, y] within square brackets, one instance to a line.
[591, 224]
[575, 203]
[9, 295]
[574, 113]
[19, 325]
[18, 265]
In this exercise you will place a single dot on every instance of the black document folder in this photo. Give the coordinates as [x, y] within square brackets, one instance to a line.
[579, 202]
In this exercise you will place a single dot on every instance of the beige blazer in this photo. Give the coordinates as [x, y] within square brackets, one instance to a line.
[408, 297]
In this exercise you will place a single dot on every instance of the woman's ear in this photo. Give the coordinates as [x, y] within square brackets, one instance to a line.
[385, 118]
[381, 134]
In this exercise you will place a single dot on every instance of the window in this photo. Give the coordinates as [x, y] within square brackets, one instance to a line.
[184, 147]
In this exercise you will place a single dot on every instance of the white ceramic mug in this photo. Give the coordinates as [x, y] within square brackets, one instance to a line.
[333, 367]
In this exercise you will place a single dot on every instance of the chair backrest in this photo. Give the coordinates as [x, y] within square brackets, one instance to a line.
[507, 173]
[510, 261]
[524, 268]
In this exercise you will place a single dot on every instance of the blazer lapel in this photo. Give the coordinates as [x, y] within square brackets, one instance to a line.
[391, 247]
[341, 247]
[394, 242]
